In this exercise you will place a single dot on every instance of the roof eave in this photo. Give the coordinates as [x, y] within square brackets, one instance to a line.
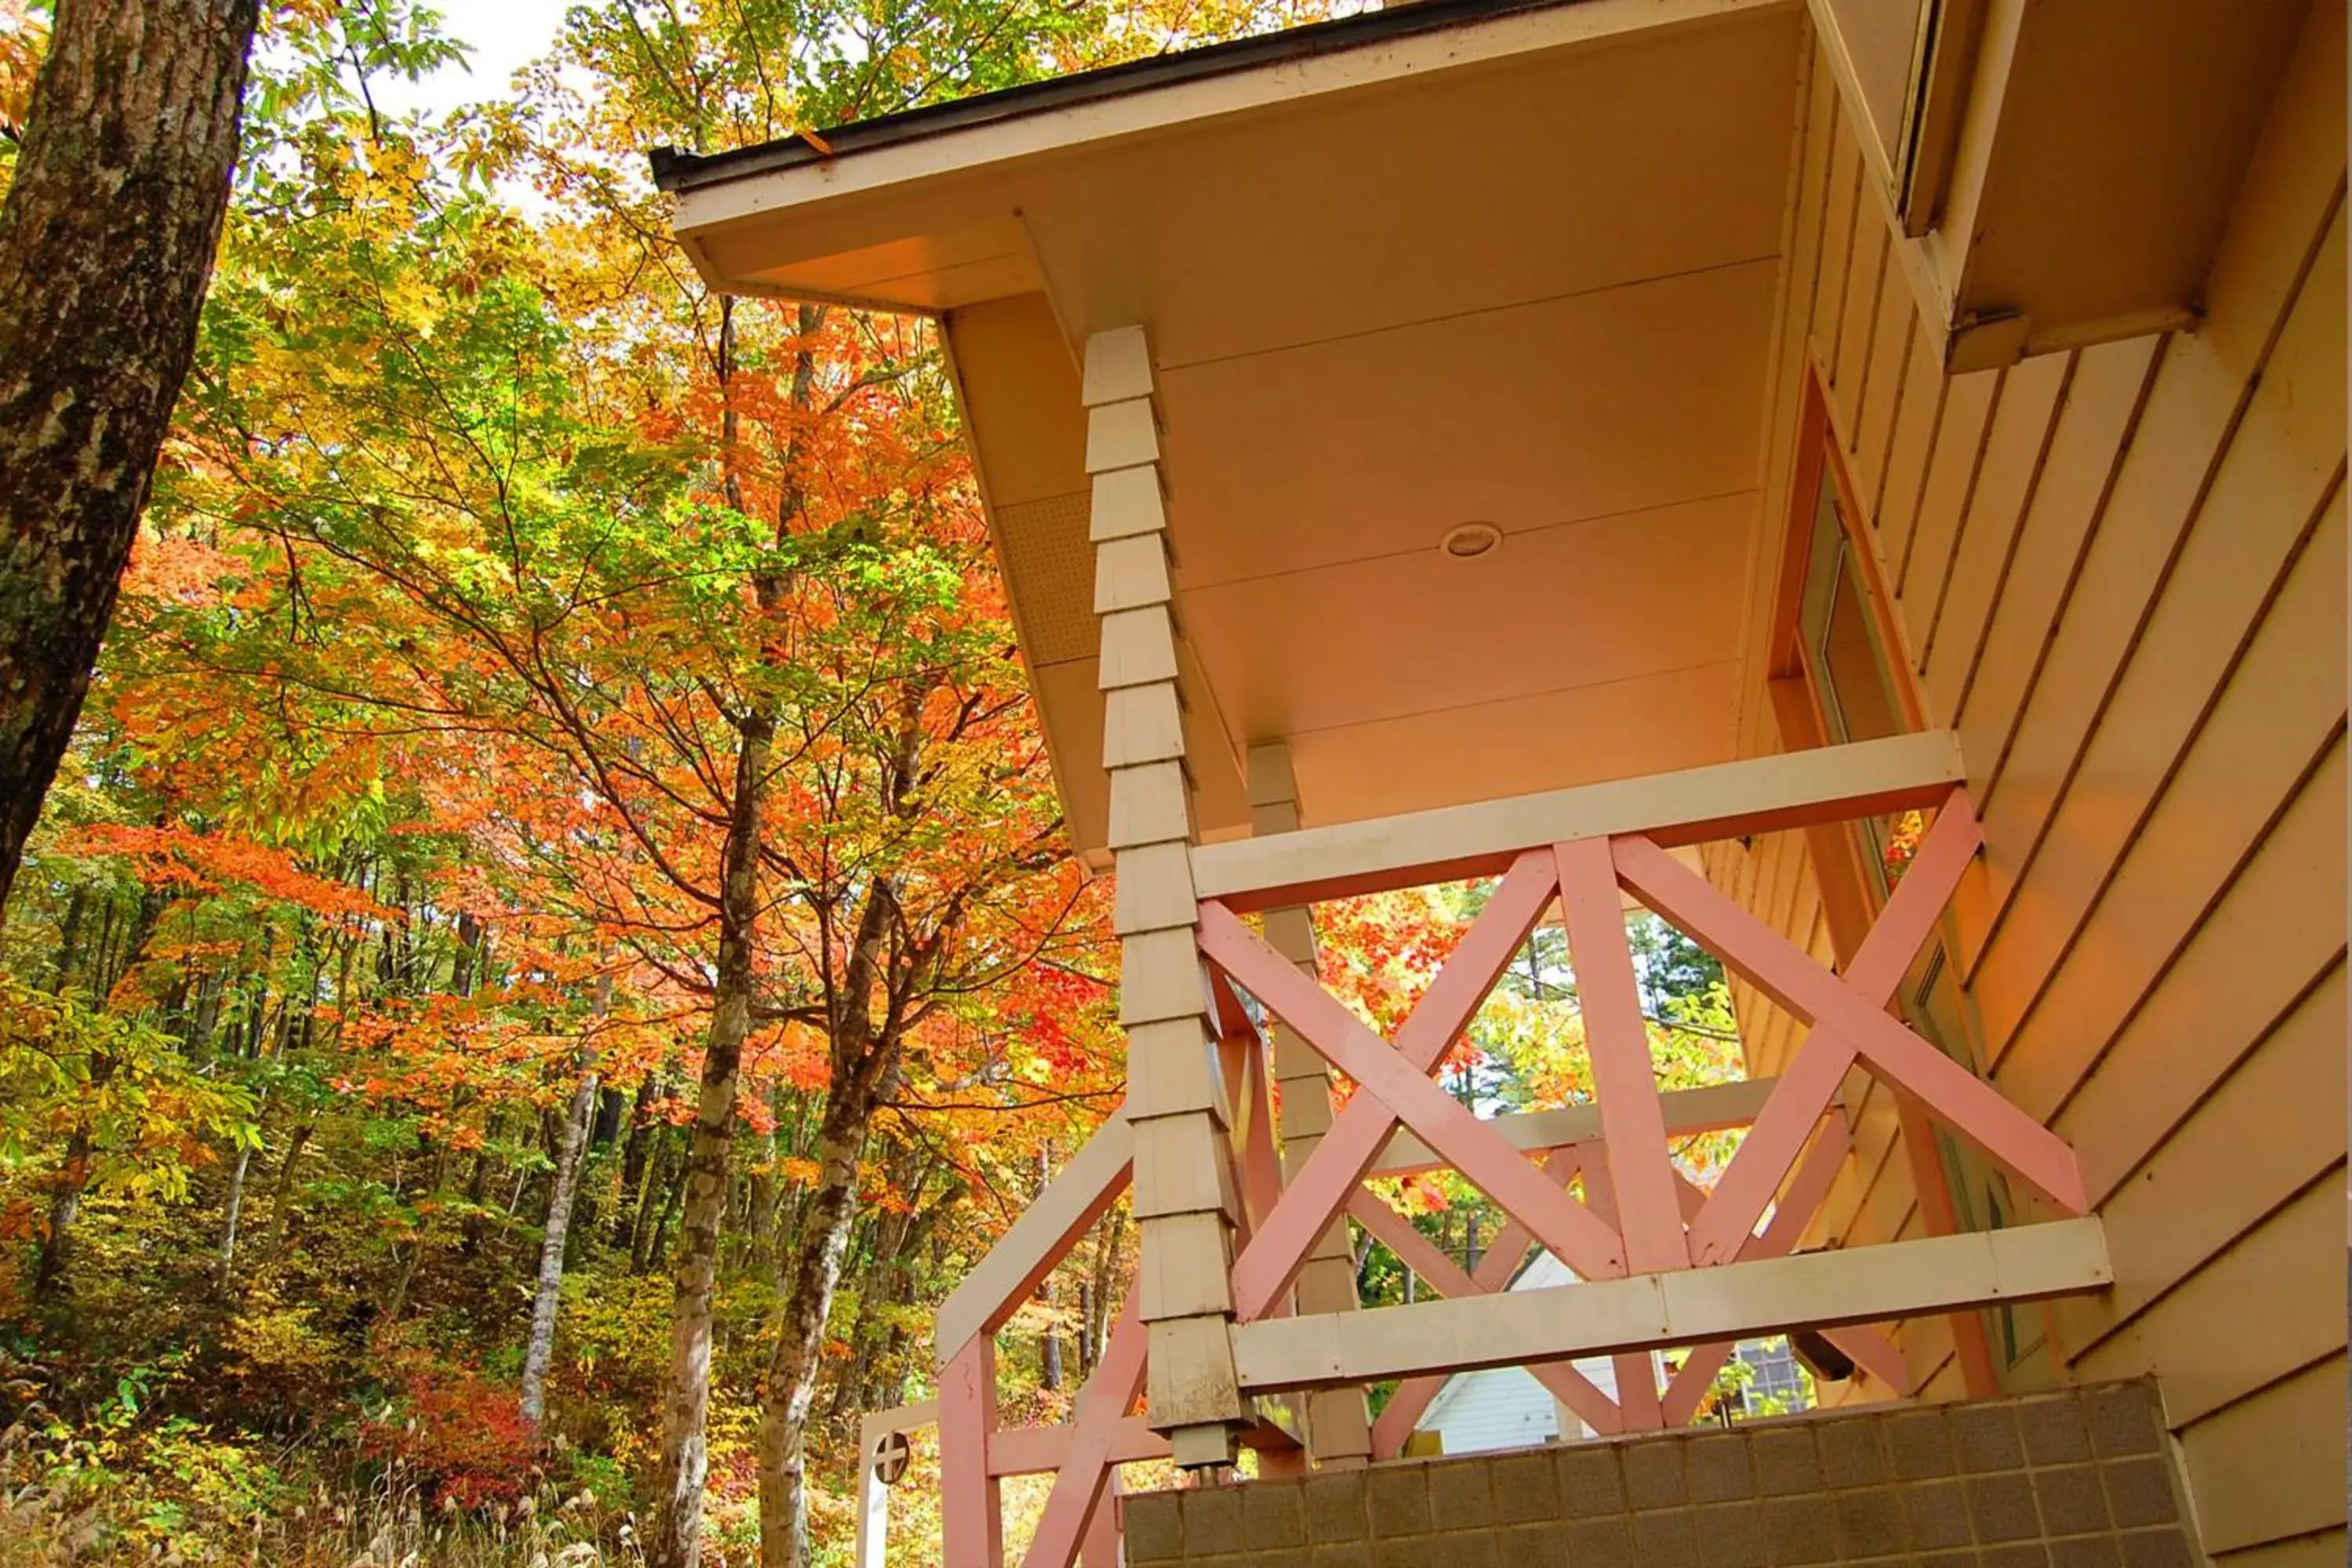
[675, 170]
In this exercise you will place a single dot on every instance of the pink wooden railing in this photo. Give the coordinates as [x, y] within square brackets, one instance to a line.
[1638, 1215]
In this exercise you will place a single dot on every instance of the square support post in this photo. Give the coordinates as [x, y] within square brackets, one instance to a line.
[1185, 1201]
[1339, 1428]
[873, 1544]
[972, 1512]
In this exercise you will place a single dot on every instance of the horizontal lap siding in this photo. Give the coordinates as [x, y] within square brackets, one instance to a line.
[2321, 1549]
[2119, 574]
[1501, 1407]
[2272, 1467]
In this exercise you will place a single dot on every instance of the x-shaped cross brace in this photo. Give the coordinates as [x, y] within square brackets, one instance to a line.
[1848, 1019]
[1396, 1087]
[1494, 1273]
[1790, 1214]
[1077, 1498]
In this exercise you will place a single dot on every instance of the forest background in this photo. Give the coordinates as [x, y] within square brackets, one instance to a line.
[553, 948]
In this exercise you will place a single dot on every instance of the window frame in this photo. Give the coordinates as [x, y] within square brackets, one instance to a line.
[1851, 889]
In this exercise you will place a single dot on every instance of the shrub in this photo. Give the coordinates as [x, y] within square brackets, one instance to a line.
[461, 1435]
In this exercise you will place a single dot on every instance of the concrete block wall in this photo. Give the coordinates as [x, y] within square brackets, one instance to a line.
[2082, 1479]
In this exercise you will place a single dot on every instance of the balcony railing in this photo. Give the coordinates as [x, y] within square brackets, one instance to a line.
[1663, 1261]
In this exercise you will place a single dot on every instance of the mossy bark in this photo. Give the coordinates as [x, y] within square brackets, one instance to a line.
[107, 240]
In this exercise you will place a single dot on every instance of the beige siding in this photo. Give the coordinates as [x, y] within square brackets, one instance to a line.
[1885, 378]
[1954, 453]
[2271, 1468]
[2089, 437]
[2323, 1549]
[2023, 428]
[2120, 574]
[1908, 444]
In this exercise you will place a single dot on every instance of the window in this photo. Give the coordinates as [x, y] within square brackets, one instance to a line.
[1843, 640]
[1856, 687]
[1776, 1386]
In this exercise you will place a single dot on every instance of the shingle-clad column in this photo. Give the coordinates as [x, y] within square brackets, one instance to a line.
[1339, 1433]
[1183, 1193]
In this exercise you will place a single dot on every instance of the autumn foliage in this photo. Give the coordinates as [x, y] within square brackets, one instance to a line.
[456, 1430]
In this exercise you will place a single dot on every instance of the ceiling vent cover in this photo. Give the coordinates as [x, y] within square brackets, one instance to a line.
[1471, 540]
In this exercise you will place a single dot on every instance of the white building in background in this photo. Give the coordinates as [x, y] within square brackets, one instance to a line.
[1505, 1407]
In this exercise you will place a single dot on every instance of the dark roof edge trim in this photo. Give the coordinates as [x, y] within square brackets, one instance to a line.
[674, 170]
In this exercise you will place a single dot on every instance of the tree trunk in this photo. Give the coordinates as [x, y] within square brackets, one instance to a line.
[65, 1208]
[477, 1185]
[797, 1355]
[540, 1350]
[233, 1211]
[760, 1208]
[658, 1240]
[1104, 1302]
[628, 1223]
[284, 1195]
[651, 1208]
[675, 1539]
[1049, 1343]
[397, 1302]
[461, 964]
[67, 935]
[864, 1063]
[106, 248]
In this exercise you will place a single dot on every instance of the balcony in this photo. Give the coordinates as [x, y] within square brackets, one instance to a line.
[1230, 1224]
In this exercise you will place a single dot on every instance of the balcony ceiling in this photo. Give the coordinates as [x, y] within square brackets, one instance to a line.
[1516, 267]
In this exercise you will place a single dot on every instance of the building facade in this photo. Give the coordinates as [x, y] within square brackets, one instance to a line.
[2118, 572]
[1861, 480]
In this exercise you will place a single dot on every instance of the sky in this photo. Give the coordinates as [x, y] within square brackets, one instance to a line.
[502, 35]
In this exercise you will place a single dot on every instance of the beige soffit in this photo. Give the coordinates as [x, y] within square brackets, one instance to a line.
[1516, 266]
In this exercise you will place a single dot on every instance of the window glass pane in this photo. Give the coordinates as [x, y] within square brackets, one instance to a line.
[1851, 673]
[1775, 1387]
[1821, 561]
[1849, 648]
[1980, 1198]
[1935, 1009]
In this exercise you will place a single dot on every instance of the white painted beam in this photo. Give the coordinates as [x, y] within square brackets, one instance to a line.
[873, 1497]
[1693, 1306]
[1026, 1252]
[1831, 784]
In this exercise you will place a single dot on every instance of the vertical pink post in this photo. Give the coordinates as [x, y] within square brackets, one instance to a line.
[1101, 1548]
[1261, 1163]
[971, 1515]
[1637, 1392]
[1639, 1406]
[1632, 1118]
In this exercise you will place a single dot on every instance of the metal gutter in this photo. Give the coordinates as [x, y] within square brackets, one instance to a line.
[674, 170]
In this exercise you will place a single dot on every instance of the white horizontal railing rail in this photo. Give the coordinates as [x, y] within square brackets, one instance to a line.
[1764, 795]
[1645, 1312]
